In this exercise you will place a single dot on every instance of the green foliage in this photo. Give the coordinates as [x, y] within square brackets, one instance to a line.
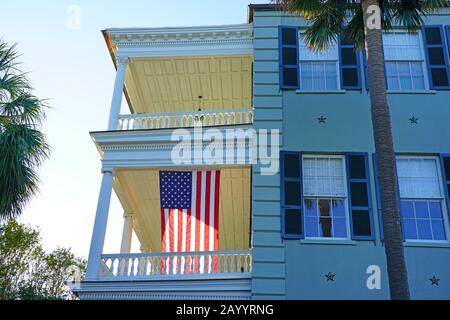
[329, 19]
[27, 272]
[23, 146]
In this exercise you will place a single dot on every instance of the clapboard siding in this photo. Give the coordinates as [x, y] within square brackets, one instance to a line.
[268, 279]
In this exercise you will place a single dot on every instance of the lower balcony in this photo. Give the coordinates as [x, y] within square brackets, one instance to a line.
[224, 275]
[183, 256]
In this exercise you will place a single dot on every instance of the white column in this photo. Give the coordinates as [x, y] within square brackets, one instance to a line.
[116, 102]
[127, 233]
[101, 220]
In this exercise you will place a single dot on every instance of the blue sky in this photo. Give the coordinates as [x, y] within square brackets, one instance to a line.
[72, 69]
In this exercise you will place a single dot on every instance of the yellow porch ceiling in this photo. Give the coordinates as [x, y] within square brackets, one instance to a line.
[174, 84]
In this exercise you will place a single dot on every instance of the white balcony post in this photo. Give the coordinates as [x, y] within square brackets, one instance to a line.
[101, 220]
[127, 234]
[116, 102]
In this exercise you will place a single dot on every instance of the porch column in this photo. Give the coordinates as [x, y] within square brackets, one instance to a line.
[101, 220]
[116, 102]
[127, 233]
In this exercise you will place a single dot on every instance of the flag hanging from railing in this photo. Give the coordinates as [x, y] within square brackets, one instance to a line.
[190, 215]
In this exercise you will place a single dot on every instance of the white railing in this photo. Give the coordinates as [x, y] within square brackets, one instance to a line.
[182, 264]
[185, 120]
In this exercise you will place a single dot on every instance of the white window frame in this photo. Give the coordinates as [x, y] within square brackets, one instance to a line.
[338, 71]
[345, 198]
[423, 64]
[441, 199]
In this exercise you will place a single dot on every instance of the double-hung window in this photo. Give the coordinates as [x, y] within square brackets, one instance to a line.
[318, 71]
[422, 199]
[405, 61]
[325, 197]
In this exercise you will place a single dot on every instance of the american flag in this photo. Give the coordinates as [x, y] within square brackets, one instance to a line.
[190, 211]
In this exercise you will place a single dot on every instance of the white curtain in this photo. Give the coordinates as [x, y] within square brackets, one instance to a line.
[418, 178]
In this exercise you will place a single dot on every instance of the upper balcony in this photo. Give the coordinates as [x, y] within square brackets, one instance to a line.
[173, 77]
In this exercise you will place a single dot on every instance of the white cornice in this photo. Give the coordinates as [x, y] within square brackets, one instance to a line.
[184, 41]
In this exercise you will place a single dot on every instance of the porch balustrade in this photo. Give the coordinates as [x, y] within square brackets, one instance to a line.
[212, 264]
[185, 120]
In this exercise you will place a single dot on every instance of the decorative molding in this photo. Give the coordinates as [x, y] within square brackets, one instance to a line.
[185, 41]
[213, 289]
[121, 60]
[153, 148]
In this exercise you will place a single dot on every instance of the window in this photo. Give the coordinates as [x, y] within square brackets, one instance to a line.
[422, 199]
[325, 197]
[404, 61]
[318, 71]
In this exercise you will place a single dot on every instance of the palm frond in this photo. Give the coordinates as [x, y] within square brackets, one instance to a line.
[23, 147]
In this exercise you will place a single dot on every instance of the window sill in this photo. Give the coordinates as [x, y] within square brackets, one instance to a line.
[329, 242]
[320, 91]
[411, 91]
[427, 244]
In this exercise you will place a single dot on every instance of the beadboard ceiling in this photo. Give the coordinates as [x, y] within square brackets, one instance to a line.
[174, 84]
[138, 191]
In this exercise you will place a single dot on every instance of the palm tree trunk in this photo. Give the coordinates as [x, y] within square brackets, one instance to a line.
[384, 146]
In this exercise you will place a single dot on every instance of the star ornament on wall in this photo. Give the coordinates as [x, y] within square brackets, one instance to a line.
[414, 120]
[330, 277]
[322, 119]
[434, 281]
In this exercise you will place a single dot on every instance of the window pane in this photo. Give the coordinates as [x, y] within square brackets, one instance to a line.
[433, 35]
[325, 217]
[318, 75]
[311, 208]
[312, 227]
[359, 194]
[350, 77]
[402, 46]
[435, 210]
[418, 178]
[417, 75]
[289, 36]
[348, 56]
[421, 209]
[405, 76]
[424, 229]
[357, 167]
[291, 166]
[290, 77]
[407, 209]
[439, 77]
[338, 208]
[361, 223]
[436, 56]
[289, 56]
[325, 227]
[392, 76]
[293, 221]
[438, 230]
[292, 193]
[409, 229]
[323, 176]
[339, 228]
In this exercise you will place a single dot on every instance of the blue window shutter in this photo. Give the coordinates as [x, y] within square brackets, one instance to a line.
[288, 57]
[359, 196]
[366, 69]
[377, 188]
[437, 57]
[291, 195]
[445, 165]
[349, 61]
